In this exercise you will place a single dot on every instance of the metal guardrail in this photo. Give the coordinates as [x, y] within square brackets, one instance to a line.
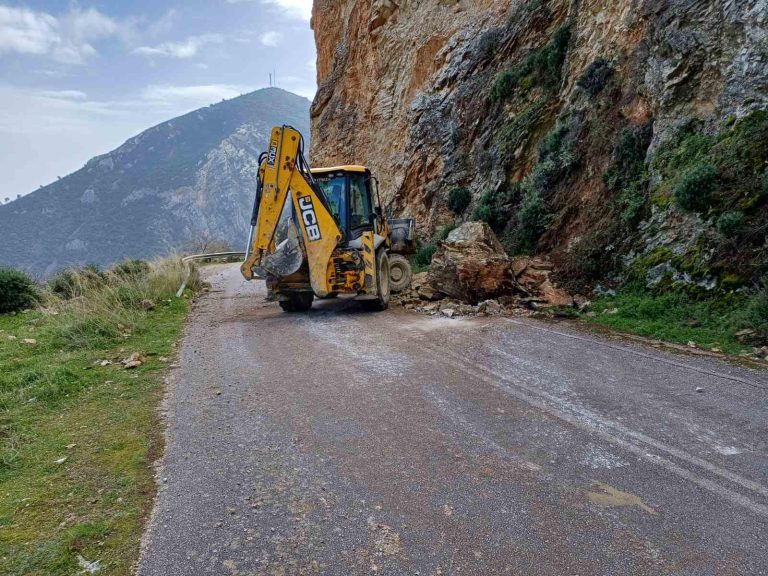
[188, 259]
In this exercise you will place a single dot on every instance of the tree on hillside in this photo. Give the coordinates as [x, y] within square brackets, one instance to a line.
[204, 243]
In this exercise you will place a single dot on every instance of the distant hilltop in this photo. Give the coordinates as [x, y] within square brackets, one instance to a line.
[178, 184]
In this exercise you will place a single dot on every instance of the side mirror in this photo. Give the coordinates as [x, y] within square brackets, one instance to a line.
[372, 217]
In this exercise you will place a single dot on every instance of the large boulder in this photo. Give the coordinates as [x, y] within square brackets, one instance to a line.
[471, 265]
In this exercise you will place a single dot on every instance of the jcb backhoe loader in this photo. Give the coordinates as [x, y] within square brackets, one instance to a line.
[322, 232]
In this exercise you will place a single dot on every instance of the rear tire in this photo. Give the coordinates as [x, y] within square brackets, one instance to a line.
[382, 284]
[297, 302]
[400, 273]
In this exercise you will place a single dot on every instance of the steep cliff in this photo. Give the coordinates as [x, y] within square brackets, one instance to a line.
[173, 186]
[626, 139]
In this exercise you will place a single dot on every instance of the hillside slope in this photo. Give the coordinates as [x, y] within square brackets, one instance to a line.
[186, 179]
[628, 139]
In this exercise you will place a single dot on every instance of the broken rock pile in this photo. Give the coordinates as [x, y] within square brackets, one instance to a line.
[472, 274]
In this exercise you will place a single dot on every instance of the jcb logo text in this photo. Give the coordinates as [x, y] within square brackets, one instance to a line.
[309, 218]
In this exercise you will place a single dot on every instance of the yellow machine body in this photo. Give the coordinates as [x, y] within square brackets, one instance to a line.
[330, 263]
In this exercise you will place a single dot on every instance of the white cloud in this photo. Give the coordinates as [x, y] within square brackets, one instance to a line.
[295, 8]
[298, 85]
[63, 94]
[68, 39]
[271, 39]
[185, 49]
[26, 32]
[191, 97]
[163, 24]
[299, 8]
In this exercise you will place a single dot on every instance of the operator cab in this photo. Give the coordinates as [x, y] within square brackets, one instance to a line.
[350, 197]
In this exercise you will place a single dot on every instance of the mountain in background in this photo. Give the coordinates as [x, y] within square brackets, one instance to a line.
[178, 184]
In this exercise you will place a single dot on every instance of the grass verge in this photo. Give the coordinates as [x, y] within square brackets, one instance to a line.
[711, 323]
[78, 438]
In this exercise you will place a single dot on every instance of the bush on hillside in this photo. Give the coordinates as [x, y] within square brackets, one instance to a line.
[488, 43]
[542, 67]
[596, 77]
[424, 255]
[695, 189]
[132, 267]
[532, 220]
[17, 291]
[765, 182]
[64, 284]
[73, 282]
[755, 315]
[730, 224]
[458, 200]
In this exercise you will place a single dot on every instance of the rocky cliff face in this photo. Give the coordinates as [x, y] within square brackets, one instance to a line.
[178, 185]
[627, 139]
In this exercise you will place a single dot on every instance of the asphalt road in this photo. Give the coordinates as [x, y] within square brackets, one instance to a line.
[344, 442]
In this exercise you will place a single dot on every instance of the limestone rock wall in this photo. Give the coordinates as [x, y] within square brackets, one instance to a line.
[407, 88]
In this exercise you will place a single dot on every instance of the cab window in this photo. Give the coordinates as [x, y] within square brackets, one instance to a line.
[359, 201]
[333, 189]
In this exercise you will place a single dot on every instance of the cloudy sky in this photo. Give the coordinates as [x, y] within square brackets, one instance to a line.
[77, 78]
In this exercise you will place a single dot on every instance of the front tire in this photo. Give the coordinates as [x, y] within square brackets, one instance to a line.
[297, 302]
[382, 284]
[400, 273]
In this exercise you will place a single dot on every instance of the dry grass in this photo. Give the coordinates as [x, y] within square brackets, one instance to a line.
[101, 307]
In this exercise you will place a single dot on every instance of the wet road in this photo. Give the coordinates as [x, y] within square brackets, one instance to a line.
[343, 442]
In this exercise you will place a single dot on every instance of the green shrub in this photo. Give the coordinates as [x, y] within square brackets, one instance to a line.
[627, 176]
[482, 212]
[534, 5]
[443, 234]
[596, 77]
[503, 85]
[488, 43]
[695, 188]
[548, 64]
[730, 224]
[424, 255]
[542, 67]
[765, 182]
[64, 284]
[754, 316]
[458, 200]
[131, 267]
[496, 207]
[532, 220]
[553, 142]
[17, 291]
[686, 148]
[73, 282]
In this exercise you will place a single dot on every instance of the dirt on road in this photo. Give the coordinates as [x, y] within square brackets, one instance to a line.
[343, 442]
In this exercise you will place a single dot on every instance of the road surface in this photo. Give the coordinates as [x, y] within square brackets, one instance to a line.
[342, 442]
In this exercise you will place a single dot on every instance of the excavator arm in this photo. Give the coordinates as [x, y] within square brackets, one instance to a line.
[284, 176]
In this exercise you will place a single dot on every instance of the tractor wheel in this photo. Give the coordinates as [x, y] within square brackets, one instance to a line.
[382, 284]
[297, 302]
[400, 273]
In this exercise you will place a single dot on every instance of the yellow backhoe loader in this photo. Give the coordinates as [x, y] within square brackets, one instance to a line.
[322, 232]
